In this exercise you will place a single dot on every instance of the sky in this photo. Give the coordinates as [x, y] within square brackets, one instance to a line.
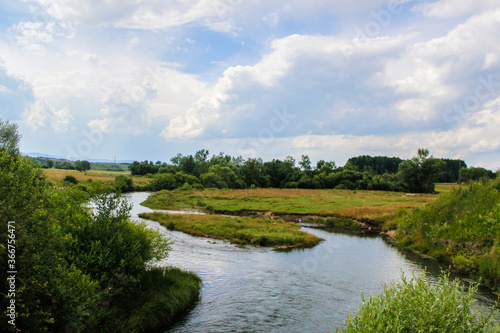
[146, 79]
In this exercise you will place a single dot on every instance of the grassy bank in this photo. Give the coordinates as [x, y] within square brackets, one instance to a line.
[461, 227]
[373, 205]
[238, 230]
[164, 295]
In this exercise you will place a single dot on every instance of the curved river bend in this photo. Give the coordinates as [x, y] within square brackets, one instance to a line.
[258, 290]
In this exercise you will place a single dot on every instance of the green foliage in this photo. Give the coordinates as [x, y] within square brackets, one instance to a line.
[417, 305]
[71, 179]
[238, 230]
[461, 227]
[9, 137]
[451, 171]
[474, 174]
[163, 295]
[53, 291]
[76, 263]
[82, 165]
[420, 172]
[169, 181]
[378, 165]
[112, 250]
[360, 173]
[123, 183]
[64, 165]
[43, 162]
[143, 168]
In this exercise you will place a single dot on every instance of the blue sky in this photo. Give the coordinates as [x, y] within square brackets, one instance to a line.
[330, 79]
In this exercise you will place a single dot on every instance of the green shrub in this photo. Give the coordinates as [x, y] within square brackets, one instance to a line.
[124, 183]
[417, 305]
[70, 179]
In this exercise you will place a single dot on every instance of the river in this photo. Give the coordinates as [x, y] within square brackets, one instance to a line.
[259, 290]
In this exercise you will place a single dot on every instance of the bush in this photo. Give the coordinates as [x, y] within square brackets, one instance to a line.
[124, 183]
[417, 305]
[70, 179]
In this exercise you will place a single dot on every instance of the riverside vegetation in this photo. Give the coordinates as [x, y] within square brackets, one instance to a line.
[239, 230]
[81, 269]
[461, 227]
[417, 305]
[71, 281]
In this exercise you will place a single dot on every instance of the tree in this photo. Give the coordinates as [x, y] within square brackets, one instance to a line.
[476, 173]
[253, 173]
[325, 167]
[420, 172]
[82, 165]
[305, 164]
[9, 137]
[187, 164]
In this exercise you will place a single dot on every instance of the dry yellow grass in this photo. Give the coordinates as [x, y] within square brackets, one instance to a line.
[57, 175]
[375, 205]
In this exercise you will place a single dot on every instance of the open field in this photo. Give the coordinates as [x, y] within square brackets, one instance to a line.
[109, 166]
[373, 205]
[56, 175]
[239, 230]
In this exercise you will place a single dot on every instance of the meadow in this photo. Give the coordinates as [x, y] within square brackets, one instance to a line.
[371, 205]
[57, 175]
[277, 233]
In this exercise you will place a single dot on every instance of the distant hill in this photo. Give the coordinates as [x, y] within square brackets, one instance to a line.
[52, 157]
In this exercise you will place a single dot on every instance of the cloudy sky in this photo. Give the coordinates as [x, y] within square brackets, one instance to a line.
[147, 79]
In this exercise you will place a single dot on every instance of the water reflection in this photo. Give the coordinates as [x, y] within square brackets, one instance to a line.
[258, 290]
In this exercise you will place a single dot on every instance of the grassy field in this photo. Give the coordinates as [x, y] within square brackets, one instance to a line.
[56, 175]
[109, 166]
[239, 230]
[373, 205]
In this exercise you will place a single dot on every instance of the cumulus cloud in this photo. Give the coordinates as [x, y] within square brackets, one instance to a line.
[394, 84]
[41, 114]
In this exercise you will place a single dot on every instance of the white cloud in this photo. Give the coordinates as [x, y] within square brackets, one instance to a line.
[3, 88]
[454, 8]
[476, 135]
[228, 16]
[84, 79]
[387, 95]
[41, 114]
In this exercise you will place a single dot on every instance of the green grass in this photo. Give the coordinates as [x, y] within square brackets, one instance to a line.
[164, 294]
[417, 305]
[462, 227]
[109, 166]
[239, 230]
[374, 205]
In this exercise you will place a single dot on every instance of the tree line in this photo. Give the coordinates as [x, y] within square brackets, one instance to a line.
[46, 163]
[418, 174]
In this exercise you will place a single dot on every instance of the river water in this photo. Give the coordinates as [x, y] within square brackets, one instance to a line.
[259, 290]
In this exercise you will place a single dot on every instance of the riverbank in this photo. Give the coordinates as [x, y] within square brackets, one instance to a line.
[164, 295]
[278, 234]
[461, 228]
